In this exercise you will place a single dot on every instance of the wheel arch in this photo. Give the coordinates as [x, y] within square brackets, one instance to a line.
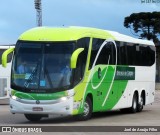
[137, 94]
[143, 94]
[90, 96]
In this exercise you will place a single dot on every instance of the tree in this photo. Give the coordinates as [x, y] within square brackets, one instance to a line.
[144, 24]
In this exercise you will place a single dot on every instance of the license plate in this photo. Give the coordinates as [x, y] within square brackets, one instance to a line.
[37, 109]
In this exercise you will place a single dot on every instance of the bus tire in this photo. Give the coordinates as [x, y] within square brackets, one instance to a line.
[87, 110]
[140, 104]
[33, 117]
[134, 107]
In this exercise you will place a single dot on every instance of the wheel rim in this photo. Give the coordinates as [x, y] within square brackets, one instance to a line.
[141, 102]
[86, 109]
[134, 104]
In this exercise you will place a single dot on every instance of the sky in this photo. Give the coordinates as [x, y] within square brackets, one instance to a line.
[17, 16]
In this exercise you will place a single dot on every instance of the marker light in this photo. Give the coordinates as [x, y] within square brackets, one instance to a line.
[14, 97]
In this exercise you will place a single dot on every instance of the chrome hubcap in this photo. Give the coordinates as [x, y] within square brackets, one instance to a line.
[86, 109]
[141, 102]
[134, 104]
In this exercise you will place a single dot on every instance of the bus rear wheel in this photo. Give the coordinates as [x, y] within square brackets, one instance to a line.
[87, 113]
[33, 117]
[140, 104]
[134, 107]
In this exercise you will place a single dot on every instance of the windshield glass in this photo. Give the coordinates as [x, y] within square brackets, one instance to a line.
[42, 67]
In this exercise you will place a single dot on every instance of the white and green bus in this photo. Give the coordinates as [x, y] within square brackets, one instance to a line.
[78, 71]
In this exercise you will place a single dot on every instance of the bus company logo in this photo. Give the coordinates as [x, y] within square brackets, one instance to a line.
[125, 73]
[150, 1]
[6, 129]
[37, 102]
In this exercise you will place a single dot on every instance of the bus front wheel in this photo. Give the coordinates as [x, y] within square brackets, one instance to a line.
[87, 113]
[33, 117]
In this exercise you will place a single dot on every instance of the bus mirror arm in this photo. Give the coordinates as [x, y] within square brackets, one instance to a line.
[74, 57]
[5, 56]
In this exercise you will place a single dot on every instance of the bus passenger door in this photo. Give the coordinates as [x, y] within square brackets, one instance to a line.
[111, 86]
[103, 70]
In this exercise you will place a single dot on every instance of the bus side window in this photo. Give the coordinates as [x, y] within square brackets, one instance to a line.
[107, 55]
[118, 53]
[79, 71]
[151, 53]
[146, 55]
[131, 49]
[96, 43]
[82, 59]
[123, 54]
[111, 48]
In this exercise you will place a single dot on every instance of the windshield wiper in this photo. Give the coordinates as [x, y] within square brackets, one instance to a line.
[49, 78]
[28, 81]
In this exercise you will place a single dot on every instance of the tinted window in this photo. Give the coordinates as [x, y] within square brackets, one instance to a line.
[131, 49]
[42, 67]
[107, 54]
[96, 43]
[135, 54]
[123, 53]
[82, 59]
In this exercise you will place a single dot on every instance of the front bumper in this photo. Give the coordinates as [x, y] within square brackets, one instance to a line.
[62, 107]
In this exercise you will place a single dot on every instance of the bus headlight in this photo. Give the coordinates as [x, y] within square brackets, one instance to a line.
[64, 98]
[14, 97]
[67, 97]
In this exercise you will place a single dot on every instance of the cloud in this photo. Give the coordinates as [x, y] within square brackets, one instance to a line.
[16, 16]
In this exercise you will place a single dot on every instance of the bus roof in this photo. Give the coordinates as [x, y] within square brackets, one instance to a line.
[62, 33]
[74, 33]
[125, 38]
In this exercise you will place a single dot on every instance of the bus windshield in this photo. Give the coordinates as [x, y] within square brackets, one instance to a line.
[42, 67]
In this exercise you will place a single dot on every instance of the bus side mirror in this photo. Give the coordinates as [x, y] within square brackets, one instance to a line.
[74, 57]
[5, 56]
